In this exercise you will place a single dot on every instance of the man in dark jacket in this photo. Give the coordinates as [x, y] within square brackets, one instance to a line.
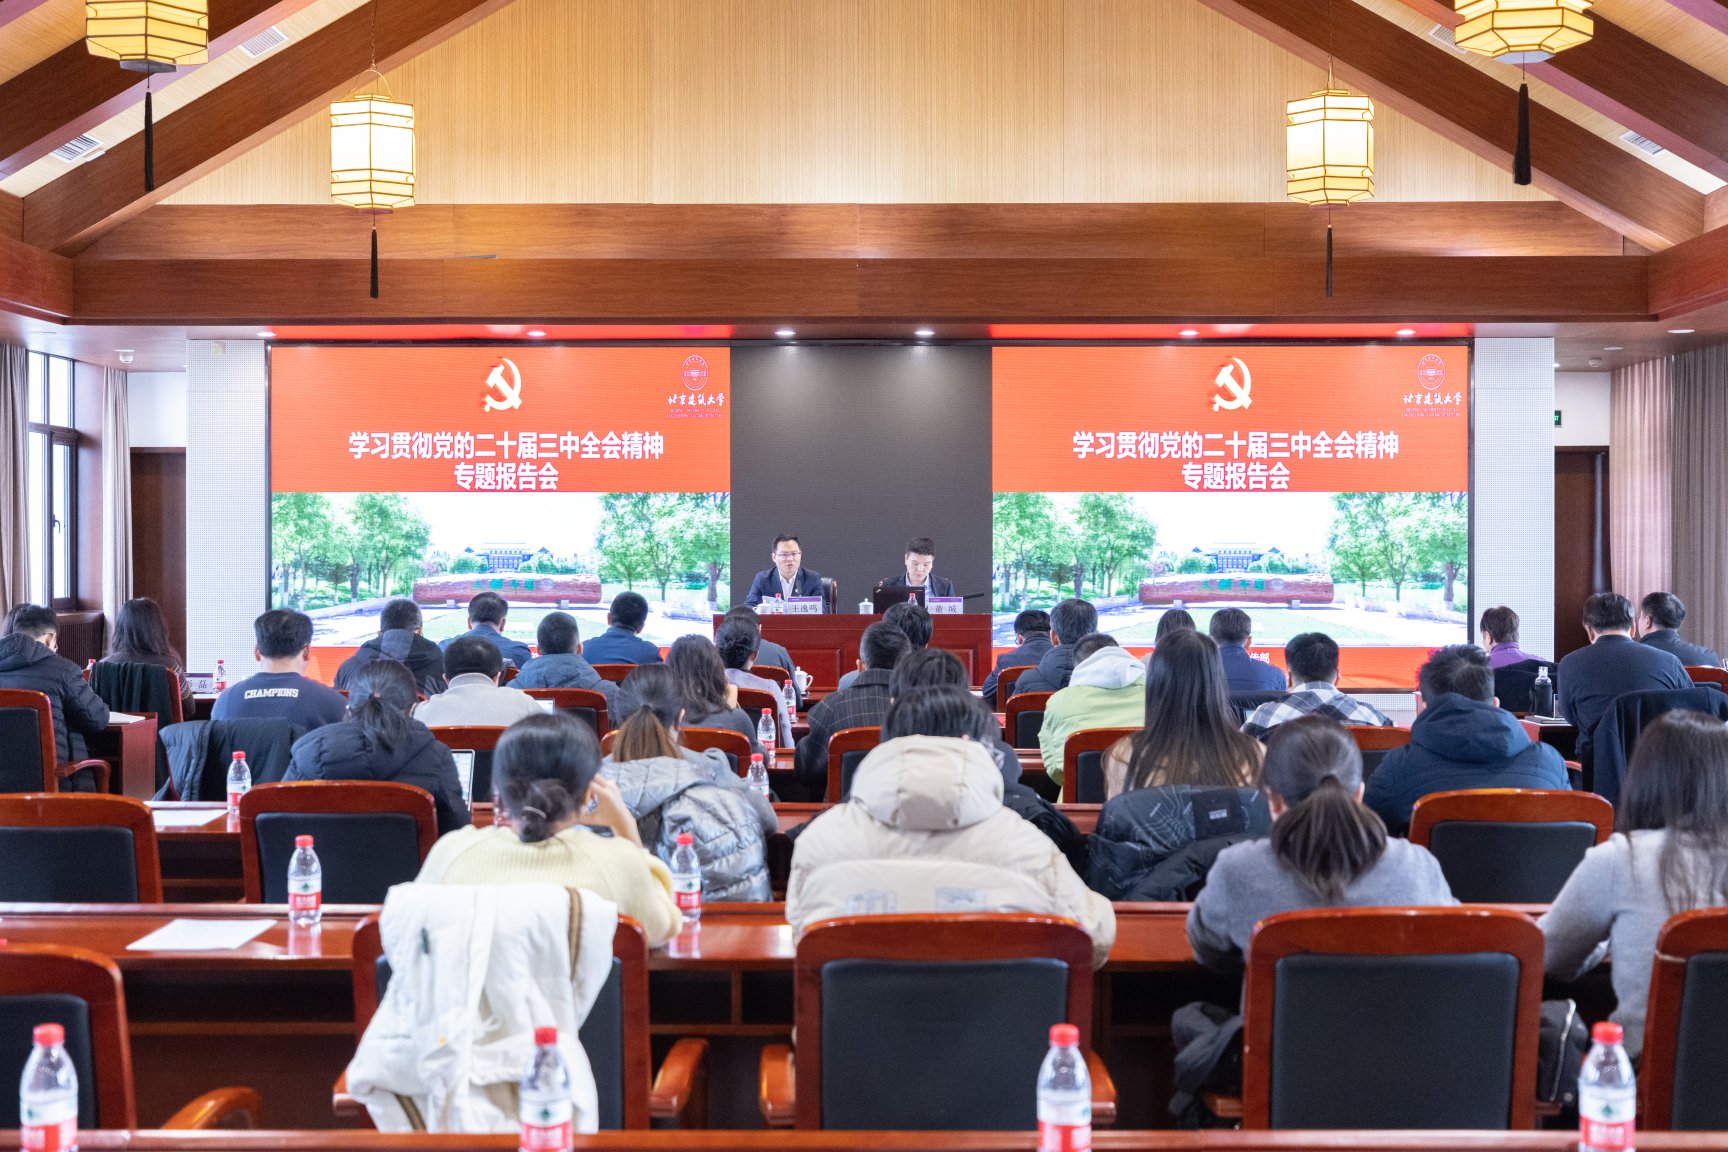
[622, 641]
[1069, 621]
[1612, 665]
[1659, 620]
[1032, 634]
[1461, 739]
[28, 661]
[399, 638]
[1233, 631]
[487, 614]
[558, 665]
[861, 706]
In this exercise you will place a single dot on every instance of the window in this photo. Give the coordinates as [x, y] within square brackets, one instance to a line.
[50, 488]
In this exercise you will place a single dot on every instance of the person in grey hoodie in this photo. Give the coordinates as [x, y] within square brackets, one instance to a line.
[671, 789]
[559, 665]
[399, 638]
[1107, 690]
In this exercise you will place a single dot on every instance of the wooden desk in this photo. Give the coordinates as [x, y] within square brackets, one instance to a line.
[827, 646]
[131, 750]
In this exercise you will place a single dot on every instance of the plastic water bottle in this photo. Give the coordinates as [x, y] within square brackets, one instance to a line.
[791, 694]
[1064, 1095]
[758, 778]
[239, 780]
[48, 1095]
[1607, 1094]
[1543, 692]
[220, 680]
[687, 878]
[767, 731]
[305, 885]
[545, 1110]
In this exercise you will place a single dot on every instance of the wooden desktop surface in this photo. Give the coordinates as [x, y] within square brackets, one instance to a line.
[826, 646]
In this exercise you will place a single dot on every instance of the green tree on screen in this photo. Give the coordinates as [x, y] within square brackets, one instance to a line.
[1352, 541]
[1440, 530]
[639, 537]
[394, 538]
[1112, 537]
[702, 531]
[1026, 534]
[301, 529]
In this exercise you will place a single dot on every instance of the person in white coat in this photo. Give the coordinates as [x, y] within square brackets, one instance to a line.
[925, 831]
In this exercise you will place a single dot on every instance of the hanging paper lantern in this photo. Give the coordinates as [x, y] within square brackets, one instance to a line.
[1329, 148]
[148, 35]
[372, 152]
[1522, 31]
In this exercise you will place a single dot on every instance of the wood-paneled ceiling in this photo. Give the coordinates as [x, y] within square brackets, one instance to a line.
[1017, 103]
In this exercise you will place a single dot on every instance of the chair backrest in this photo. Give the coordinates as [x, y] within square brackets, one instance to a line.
[1023, 717]
[1392, 1018]
[480, 740]
[77, 848]
[1703, 674]
[132, 686]
[368, 834]
[1685, 1061]
[735, 744]
[79, 990]
[926, 1021]
[616, 673]
[1515, 684]
[27, 734]
[585, 703]
[1007, 678]
[772, 672]
[753, 700]
[1374, 741]
[1083, 763]
[1510, 845]
[615, 1035]
[846, 750]
[1244, 703]
[509, 673]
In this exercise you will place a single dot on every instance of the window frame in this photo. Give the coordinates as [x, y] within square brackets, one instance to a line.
[41, 488]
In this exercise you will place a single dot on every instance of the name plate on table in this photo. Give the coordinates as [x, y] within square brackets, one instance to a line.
[945, 605]
[804, 606]
[199, 681]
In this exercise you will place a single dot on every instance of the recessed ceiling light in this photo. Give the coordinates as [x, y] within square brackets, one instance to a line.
[124, 354]
[785, 333]
[1613, 347]
[536, 334]
[1189, 333]
[1556, 363]
[266, 335]
[1406, 331]
[924, 333]
[1681, 331]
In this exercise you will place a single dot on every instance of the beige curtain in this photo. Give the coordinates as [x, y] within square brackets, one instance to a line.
[1640, 486]
[116, 496]
[1700, 386]
[14, 442]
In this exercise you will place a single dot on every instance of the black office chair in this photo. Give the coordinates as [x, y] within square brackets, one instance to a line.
[75, 848]
[1685, 1061]
[1509, 845]
[1515, 684]
[369, 836]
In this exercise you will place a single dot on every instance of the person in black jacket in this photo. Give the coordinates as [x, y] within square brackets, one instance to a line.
[399, 638]
[1069, 621]
[1032, 634]
[1659, 620]
[379, 740]
[28, 661]
[1612, 665]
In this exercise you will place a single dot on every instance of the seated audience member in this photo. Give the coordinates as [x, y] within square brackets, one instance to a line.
[486, 618]
[282, 691]
[911, 619]
[1461, 739]
[474, 698]
[1611, 665]
[29, 662]
[1032, 637]
[1312, 659]
[1659, 620]
[1670, 856]
[546, 772]
[141, 637]
[1499, 630]
[1232, 630]
[380, 740]
[861, 706]
[767, 651]
[399, 638]
[622, 641]
[1069, 621]
[925, 831]
[709, 700]
[1107, 690]
[559, 665]
[1326, 850]
[672, 789]
[1173, 620]
[737, 640]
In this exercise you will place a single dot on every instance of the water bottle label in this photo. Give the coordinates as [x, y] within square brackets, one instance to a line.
[234, 795]
[546, 1126]
[1605, 1136]
[688, 896]
[305, 896]
[50, 1128]
[1606, 1119]
[1064, 1137]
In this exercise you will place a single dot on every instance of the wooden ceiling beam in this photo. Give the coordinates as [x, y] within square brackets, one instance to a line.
[72, 91]
[1636, 84]
[1439, 90]
[10, 10]
[33, 282]
[1712, 12]
[1689, 276]
[279, 91]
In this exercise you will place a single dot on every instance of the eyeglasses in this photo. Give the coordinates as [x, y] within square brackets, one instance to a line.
[787, 555]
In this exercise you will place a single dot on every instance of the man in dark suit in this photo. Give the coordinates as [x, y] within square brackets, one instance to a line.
[1032, 634]
[788, 577]
[1069, 621]
[622, 642]
[920, 559]
[1232, 630]
[486, 613]
[1611, 666]
[1659, 620]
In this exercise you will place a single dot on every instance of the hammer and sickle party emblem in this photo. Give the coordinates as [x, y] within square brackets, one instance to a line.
[1240, 394]
[509, 391]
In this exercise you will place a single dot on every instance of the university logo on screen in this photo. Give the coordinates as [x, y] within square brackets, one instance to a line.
[1432, 397]
[696, 401]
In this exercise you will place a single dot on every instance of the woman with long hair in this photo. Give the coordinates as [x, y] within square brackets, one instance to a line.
[1192, 736]
[141, 637]
[1326, 850]
[709, 701]
[377, 739]
[1174, 620]
[546, 773]
[1670, 855]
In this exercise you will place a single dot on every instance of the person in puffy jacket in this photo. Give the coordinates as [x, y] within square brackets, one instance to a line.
[1460, 739]
[30, 660]
[399, 638]
[378, 740]
[925, 831]
[1106, 690]
[672, 789]
[560, 664]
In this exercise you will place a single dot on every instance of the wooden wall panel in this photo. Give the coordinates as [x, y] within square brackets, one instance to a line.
[855, 101]
[39, 33]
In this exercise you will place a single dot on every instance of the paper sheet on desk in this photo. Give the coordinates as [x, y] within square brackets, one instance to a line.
[124, 718]
[187, 817]
[201, 935]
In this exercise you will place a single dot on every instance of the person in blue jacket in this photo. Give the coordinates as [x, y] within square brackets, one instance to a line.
[1461, 739]
[622, 641]
[787, 578]
[486, 614]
